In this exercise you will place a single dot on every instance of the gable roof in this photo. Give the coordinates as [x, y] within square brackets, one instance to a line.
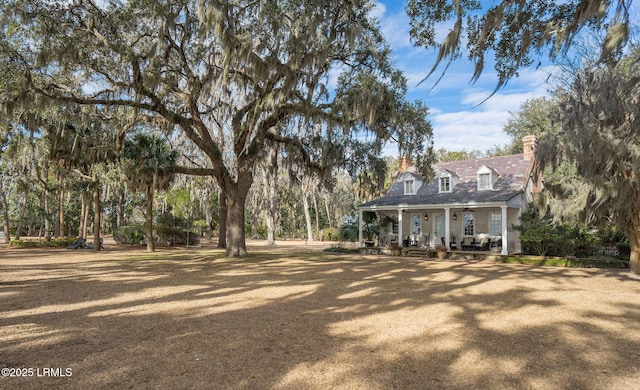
[512, 177]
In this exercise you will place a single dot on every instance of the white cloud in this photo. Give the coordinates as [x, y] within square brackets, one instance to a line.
[395, 28]
[378, 11]
[458, 118]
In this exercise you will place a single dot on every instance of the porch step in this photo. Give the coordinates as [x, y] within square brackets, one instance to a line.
[415, 252]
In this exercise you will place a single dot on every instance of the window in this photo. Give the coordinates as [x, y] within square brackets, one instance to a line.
[408, 187]
[445, 184]
[486, 177]
[495, 224]
[447, 181]
[484, 181]
[394, 226]
[469, 223]
[416, 224]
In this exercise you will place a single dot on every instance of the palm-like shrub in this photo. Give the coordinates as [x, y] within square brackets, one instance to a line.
[148, 165]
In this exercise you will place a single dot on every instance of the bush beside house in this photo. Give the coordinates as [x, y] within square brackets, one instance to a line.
[541, 236]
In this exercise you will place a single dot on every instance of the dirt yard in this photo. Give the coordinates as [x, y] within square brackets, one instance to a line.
[293, 317]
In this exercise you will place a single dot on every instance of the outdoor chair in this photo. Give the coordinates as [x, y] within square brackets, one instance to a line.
[90, 246]
[79, 244]
[468, 244]
[452, 243]
[483, 244]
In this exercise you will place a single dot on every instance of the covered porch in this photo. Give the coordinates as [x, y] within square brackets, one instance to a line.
[461, 227]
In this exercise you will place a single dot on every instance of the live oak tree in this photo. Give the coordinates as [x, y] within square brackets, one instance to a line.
[227, 74]
[533, 118]
[516, 32]
[598, 149]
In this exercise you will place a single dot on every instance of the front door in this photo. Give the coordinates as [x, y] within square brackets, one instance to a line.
[416, 224]
[416, 229]
[438, 228]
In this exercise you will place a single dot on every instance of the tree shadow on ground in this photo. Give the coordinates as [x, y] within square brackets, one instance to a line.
[305, 319]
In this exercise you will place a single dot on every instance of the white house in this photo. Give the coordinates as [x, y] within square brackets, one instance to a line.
[469, 204]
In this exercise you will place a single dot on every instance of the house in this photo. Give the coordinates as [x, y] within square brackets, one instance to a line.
[469, 204]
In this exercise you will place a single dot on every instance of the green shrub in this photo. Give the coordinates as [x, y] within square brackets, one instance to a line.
[63, 242]
[340, 249]
[165, 236]
[567, 262]
[131, 235]
[24, 244]
[54, 243]
[541, 236]
[609, 235]
[349, 232]
[330, 234]
[624, 248]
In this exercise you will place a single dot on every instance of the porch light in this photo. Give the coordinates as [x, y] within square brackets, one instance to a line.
[455, 217]
[426, 217]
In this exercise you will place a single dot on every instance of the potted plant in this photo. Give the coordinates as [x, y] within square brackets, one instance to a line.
[441, 250]
[396, 250]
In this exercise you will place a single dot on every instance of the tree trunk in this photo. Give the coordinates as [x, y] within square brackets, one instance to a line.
[236, 243]
[23, 212]
[97, 211]
[270, 180]
[315, 207]
[236, 194]
[84, 215]
[222, 229]
[45, 207]
[634, 244]
[60, 219]
[329, 220]
[254, 225]
[271, 221]
[149, 217]
[120, 216]
[207, 219]
[307, 217]
[5, 211]
[271, 229]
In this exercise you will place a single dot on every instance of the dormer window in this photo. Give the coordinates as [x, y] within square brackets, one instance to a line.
[445, 184]
[409, 187]
[486, 178]
[484, 181]
[411, 183]
[447, 181]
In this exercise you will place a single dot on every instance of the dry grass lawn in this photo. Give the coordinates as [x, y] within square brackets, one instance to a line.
[293, 317]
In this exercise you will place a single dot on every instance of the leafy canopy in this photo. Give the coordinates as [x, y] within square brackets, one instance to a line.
[515, 31]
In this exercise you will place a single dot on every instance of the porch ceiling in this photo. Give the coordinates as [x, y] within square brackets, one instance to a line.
[454, 200]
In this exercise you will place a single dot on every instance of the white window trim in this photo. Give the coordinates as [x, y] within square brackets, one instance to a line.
[473, 224]
[489, 183]
[440, 189]
[493, 214]
[493, 177]
[413, 186]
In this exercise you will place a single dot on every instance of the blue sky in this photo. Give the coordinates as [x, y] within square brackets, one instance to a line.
[458, 122]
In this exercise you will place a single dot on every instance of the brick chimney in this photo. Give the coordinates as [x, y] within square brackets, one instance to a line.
[529, 147]
[405, 164]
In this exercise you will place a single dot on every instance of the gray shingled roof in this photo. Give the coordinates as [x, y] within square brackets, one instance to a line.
[512, 171]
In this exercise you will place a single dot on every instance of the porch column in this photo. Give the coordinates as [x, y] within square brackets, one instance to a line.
[360, 242]
[447, 228]
[400, 238]
[505, 249]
